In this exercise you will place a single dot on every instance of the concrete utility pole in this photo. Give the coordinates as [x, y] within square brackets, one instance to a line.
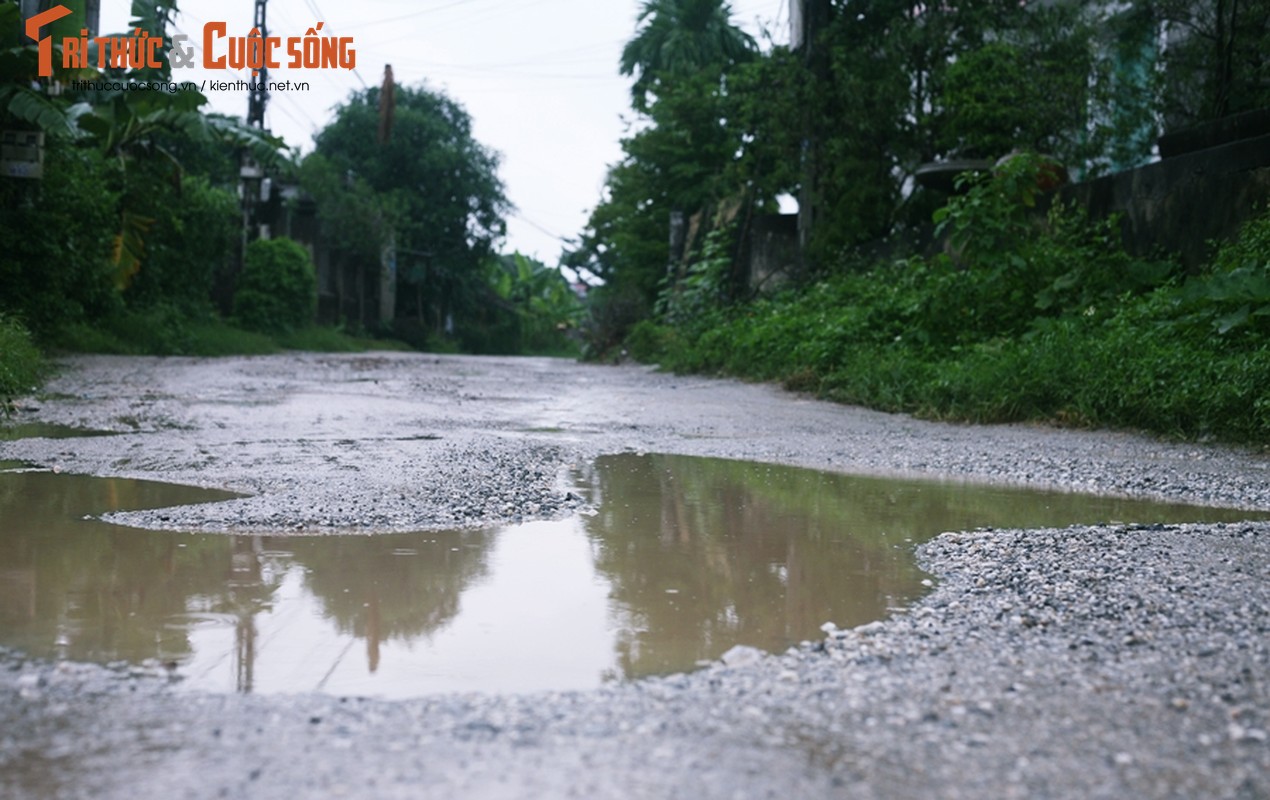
[251, 174]
[259, 97]
[388, 254]
[807, 18]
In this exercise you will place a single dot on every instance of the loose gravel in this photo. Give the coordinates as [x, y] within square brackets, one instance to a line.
[1087, 662]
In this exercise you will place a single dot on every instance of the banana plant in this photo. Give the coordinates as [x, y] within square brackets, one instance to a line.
[540, 296]
[19, 70]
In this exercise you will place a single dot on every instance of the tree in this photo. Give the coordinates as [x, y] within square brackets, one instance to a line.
[679, 39]
[907, 83]
[1216, 57]
[439, 184]
[544, 304]
[677, 160]
[116, 214]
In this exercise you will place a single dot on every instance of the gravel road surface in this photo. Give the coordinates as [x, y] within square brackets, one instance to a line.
[1088, 662]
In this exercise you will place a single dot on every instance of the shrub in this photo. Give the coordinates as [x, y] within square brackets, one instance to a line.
[21, 365]
[188, 245]
[277, 290]
[613, 312]
[57, 241]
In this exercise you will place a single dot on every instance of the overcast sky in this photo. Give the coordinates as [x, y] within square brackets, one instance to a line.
[539, 78]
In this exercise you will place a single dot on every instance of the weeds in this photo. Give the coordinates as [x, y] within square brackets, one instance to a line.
[21, 365]
[1052, 322]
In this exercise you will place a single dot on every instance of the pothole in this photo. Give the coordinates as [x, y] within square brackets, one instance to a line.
[684, 558]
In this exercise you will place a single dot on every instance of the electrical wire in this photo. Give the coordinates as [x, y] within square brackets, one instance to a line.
[536, 226]
[411, 15]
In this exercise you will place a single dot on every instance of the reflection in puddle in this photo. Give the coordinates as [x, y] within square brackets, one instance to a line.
[685, 558]
[706, 553]
[46, 430]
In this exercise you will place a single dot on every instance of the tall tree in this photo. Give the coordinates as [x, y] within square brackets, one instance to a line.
[678, 157]
[678, 39]
[439, 183]
[1216, 57]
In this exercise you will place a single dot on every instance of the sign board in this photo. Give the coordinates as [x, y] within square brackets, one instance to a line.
[22, 154]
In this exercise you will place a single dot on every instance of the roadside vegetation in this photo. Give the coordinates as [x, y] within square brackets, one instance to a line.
[1060, 325]
[131, 240]
[984, 300]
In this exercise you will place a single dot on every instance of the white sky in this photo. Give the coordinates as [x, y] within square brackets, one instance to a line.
[539, 78]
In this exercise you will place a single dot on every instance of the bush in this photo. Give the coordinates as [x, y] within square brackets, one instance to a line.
[648, 341]
[1061, 325]
[613, 310]
[187, 247]
[21, 365]
[57, 240]
[277, 290]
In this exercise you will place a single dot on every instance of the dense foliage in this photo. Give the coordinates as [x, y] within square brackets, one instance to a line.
[430, 186]
[135, 222]
[1027, 309]
[132, 242]
[20, 364]
[277, 290]
[1047, 318]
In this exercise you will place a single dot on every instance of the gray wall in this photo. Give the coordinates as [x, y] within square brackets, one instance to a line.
[1180, 204]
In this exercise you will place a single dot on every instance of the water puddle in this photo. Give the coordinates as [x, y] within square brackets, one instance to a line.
[46, 430]
[685, 558]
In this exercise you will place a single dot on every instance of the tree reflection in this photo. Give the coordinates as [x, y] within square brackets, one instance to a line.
[705, 553]
[402, 586]
[79, 588]
[82, 589]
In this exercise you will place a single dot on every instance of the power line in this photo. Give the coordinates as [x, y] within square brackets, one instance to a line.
[411, 15]
[536, 226]
[312, 4]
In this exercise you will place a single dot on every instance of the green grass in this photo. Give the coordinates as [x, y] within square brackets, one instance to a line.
[163, 331]
[333, 340]
[21, 365]
[1189, 357]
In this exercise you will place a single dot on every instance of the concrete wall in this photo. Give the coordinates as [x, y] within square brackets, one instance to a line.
[771, 250]
[1180, 204]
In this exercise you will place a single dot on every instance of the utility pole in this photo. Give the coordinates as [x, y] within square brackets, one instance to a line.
[388, 251]
[807, 19]
[250, 172]
[259, 96]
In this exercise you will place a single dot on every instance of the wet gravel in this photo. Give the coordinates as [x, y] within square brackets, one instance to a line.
[1087, 662]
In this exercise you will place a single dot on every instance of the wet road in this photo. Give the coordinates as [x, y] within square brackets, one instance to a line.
[990, 684]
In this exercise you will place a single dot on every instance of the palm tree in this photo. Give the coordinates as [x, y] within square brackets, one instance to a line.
[679, 38]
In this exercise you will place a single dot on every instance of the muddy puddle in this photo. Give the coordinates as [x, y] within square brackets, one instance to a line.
[45, 430]
[684, 558]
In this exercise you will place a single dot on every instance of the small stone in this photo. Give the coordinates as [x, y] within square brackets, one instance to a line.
[741, 656]
[1238, 733]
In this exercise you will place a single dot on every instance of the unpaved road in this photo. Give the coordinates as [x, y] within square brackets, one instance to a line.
[1090, 662]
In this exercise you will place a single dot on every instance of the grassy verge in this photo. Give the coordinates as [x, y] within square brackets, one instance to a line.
[1127, 371]
[163, 331]
[21, 365]
[1060, 327]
